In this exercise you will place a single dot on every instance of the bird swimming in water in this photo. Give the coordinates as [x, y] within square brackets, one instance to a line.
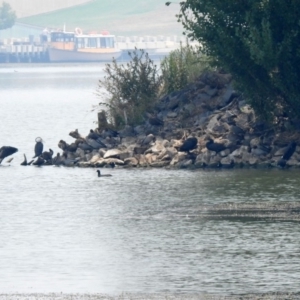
[38, 148]
[217, 147]
[103, 175]
[7, 151]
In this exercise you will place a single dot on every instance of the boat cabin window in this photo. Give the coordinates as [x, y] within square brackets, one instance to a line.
[107, 42]
[62, 37]
[92, 42]
[80, 42]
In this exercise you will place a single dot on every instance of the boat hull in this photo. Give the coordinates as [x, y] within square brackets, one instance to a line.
[59, 55]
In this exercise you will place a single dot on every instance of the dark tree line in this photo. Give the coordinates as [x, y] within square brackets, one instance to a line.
[258, 42]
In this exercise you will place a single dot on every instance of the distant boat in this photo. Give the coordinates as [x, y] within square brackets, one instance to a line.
[78, 47]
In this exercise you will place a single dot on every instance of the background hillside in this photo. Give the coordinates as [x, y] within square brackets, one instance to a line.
[130, 17]
[33, 7]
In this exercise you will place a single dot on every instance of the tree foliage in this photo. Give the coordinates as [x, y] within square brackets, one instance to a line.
[132, 88]
[7, 16]
[257, 41]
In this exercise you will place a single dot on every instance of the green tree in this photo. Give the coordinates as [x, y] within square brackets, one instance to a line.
[257, 41]
[7, 16]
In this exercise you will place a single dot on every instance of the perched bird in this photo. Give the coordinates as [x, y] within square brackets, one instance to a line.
[189, 144]
[103, 175]
[47, 155]
[84, 146]
[289, 151]
[281, 163]
[94, 136]
[76, 135]
[24, 163]
[57, 161]
[38, 148]
[6, 151]
[212, 146]
[39, 162]
[148, 139]
[109, 133]
[96, 144]
[66, 147]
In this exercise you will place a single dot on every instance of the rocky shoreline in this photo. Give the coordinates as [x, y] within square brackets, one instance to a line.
[209, 110]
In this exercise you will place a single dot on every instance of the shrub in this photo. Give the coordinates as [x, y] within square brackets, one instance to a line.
[132, 89]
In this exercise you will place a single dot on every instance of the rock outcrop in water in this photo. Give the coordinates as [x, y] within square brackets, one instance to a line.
[227, 131]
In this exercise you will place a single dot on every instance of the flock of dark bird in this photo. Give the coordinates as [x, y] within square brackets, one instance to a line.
[95, 141]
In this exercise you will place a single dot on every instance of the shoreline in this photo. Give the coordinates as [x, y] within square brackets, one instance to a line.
[228, 133]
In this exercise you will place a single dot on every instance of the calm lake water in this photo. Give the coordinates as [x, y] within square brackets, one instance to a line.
[140, 231]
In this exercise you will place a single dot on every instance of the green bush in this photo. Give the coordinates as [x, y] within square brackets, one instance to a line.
[182, 66]
[132, 89]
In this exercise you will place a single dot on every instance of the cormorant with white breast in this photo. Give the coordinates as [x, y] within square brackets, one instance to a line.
[38, 148]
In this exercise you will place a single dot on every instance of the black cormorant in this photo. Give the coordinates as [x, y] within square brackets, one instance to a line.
[148, 139]
[47, 155]
[24, 163]
[189, 144]
[289, 151]
[39, 162]
[103, 175]
[217, 147]
[38, 148]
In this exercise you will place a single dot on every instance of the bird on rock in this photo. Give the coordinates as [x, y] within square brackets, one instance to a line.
[7, 151]
[217, 147]
[38, 148]
[24, 163]
[47, 155]
[148, 139]
[94, 136]
[39, 162]
[103, 175]
[289, 151]
[189, 144]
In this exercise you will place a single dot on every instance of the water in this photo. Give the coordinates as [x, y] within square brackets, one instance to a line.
[139, 231]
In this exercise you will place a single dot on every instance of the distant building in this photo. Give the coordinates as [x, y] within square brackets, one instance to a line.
[34, 7]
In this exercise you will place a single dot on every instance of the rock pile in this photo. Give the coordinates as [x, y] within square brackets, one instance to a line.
[210, 112]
